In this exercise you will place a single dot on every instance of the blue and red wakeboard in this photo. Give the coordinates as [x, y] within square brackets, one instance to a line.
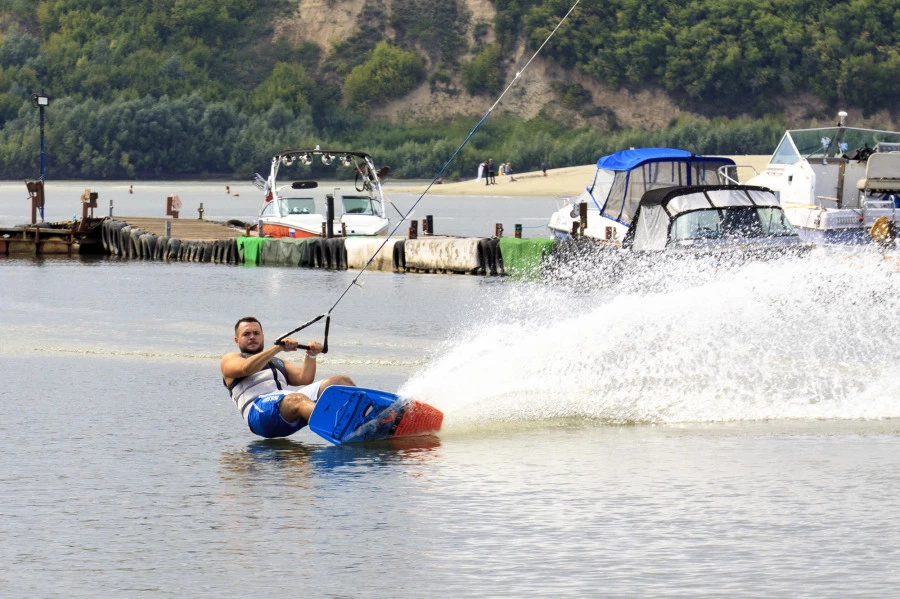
[356, 414]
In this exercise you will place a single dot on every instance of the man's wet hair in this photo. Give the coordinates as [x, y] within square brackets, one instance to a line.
[246, 319]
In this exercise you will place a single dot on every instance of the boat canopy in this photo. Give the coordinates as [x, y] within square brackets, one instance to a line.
[707, 212]
[624, 177]
[831, 142]
[629, 159]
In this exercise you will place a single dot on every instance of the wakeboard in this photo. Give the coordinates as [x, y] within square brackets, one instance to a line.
[356, 414]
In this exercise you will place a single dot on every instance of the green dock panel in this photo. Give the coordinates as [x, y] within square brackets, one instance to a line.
[286, 251]
[249, 249]
[523, 256]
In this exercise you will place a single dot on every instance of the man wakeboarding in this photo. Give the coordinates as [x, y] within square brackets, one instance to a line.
[258, 381]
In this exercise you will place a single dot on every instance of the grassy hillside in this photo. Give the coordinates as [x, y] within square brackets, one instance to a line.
[161, 88]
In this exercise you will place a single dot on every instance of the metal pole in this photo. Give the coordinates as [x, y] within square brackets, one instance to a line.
[41, 109]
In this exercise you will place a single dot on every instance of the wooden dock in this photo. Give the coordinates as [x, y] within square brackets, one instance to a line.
[183, 228]
[37, 241]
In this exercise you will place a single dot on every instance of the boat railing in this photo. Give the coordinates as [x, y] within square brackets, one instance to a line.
[828, 202]
[725, 173]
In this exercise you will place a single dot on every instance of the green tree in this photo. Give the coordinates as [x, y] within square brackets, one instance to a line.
[482, 74]
[391, 72]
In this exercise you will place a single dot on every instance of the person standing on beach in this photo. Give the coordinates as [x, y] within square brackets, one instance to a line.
[492, 172]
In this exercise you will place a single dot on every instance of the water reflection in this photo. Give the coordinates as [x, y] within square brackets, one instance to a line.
[291, 460]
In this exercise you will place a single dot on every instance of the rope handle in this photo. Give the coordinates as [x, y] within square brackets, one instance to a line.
[326, 316]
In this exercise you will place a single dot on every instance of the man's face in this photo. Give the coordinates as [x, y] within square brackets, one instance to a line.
[249, 338]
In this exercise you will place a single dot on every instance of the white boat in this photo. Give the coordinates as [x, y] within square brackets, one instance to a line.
[835, 182]
[604, 211]
[713, 219]
[299, 208]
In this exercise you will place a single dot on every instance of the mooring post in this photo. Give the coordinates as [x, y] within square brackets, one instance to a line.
[517, 231]
[168, 228]
[498, 229]
[329, 215]
[428, 225]
[413, 229]
[110, 207]
[582, 215]
[200, 211]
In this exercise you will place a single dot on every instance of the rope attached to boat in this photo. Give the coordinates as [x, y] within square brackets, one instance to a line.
[440, 173]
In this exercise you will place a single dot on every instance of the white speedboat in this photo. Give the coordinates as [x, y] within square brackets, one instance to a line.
[713, 219]
[604, 211]
[300, 208]
[835, 182]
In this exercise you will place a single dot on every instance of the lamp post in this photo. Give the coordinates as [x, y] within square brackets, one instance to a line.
[41, 100]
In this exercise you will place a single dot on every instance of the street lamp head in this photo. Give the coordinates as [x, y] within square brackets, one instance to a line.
[40, 100]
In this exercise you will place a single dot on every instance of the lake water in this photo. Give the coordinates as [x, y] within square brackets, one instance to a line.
[460, 215]
[692, 432]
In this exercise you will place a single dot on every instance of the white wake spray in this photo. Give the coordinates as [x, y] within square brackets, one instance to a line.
[815, 337]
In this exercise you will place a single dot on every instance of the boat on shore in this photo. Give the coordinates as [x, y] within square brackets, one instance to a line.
[605, 209]
[307, 208]
[835, 182]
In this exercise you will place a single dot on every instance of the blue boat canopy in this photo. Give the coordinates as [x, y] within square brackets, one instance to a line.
[622, 178]
[628, 159]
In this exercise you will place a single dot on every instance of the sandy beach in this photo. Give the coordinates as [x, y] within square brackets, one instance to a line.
[559, 182]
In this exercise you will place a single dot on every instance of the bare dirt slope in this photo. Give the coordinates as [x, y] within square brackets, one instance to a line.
[326, 22]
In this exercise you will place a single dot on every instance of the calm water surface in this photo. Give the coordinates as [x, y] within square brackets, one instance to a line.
[691, 433]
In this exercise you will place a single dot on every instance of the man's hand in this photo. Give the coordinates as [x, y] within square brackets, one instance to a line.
[288, 344]
[315, 348]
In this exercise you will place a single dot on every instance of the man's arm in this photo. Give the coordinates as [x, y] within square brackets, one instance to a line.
[305, 373]
[235, 366]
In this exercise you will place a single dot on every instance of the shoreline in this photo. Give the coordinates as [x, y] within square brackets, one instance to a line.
[559, 182]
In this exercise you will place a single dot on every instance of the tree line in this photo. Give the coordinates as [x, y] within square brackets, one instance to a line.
[159, 88]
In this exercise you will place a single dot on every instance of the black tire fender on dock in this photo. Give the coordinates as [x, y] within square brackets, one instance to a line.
[326, 254]
[498, 257]
[124, 239]
[399, 258]
[317, 254]
[104, 235]
[485, 258]
[173, 249]
[338, 254]
[116, 236]
[230, 255]
[207, 252]
[162, 248]
[134, 249]
[148, 246]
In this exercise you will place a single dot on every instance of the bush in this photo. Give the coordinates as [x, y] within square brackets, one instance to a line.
[482, 75]
[391, 72]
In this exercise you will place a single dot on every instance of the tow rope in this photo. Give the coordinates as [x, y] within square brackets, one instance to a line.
[355, 281]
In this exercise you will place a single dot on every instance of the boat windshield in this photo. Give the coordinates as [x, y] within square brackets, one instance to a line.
[297, 206]
[629, 186]
[743, 222]
[828, 142]
[361, 205]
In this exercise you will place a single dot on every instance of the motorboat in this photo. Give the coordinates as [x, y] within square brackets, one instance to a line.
[604, 211]
[305, 208]
[835, 182]
[713, 219]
